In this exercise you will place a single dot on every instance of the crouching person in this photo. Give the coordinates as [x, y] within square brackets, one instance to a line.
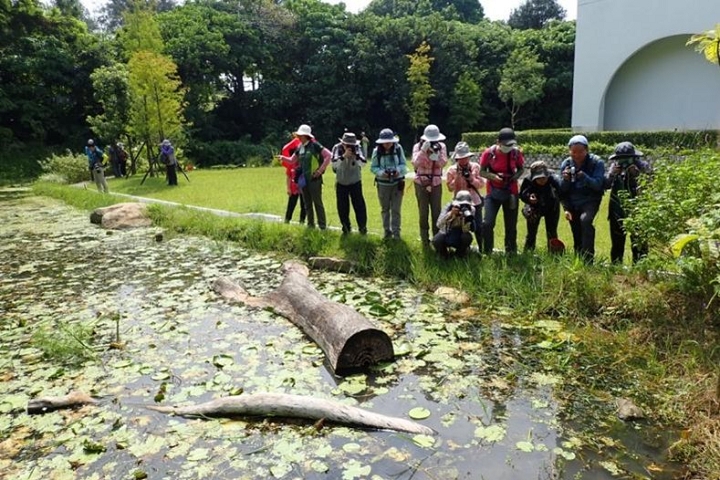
[456, 224]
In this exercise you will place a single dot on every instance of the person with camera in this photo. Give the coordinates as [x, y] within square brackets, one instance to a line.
[622, 176]
[389, 167]
[540, 194]
[502, 165]
[429, 158]
[465, 175]
[347, 161]
[454, 224]
[313, 159]
[167, 158]
[96, 164]
[582, 186]
[292, 172]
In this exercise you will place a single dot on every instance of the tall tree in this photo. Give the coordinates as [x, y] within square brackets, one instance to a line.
[112, 14]
[418, 76]
[522, 80]
[111, 90]
[536, 14]
[465, 109]
[470, 11]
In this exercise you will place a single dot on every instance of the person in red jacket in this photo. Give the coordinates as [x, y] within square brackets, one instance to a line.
[293, 190]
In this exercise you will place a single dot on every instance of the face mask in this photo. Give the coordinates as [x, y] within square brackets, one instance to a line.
[506, 148]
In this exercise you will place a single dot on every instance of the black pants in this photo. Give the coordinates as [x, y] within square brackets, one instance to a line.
[171, 171]
[456, 239]
[617, 239]
[345, 194]
[583, 230]
[292, 203]
[552, 218]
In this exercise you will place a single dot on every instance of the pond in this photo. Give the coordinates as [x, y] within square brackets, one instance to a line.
[156, 333]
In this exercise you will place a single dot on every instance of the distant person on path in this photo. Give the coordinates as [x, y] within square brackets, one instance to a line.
[122, 156]
[114, 160]
[96, 165]
[581, 189]
[313, 159]
[389, 167]
[347, 162]
[429, 158]
[465, 175]
[540, 193]
[292, 173]
[167, 158]
[365, 144]
[455, 224]
[502, 164]
[622, 176]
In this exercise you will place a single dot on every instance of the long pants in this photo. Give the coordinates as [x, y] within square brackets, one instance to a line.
[429, 203]
[552, 218]
[479, 226]
[344, 194]
[116, 168]
[455, 238]
[99, 177]
[390, 197]
[171, 173]
[583, 230]
[312, 195]
[617, 239]
[292, 203]
[510, 214]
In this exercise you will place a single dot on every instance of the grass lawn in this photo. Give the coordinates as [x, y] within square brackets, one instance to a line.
[246, 190]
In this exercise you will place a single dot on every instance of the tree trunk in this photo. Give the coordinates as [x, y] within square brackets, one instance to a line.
[349, 340]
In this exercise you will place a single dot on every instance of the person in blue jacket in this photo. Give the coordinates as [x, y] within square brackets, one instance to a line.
[582, 185]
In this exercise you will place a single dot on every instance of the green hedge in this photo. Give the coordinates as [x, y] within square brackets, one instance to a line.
[559, 137]
[224, 152]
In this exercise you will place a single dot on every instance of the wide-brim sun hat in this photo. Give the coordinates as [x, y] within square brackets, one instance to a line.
[507, 137]
[165, 143]
[462, 150]
[304, 130]
[386, 136]
[432, 134]
[462, 197]
[625, 150]
[349, 138]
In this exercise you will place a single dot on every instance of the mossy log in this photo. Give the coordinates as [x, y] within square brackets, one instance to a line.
[295, 406]
[350, 342]
[48, 404]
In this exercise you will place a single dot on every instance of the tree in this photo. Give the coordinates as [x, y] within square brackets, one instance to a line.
[521, 81]
[466, 102]
[470, 11]
[535, 14]
[418, 76]
[112, 14]
[110, 85]
[708, 43]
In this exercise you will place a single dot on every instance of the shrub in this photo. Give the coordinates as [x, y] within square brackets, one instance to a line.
[224, 152]
[70, 166]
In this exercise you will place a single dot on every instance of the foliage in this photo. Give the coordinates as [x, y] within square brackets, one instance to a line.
[708, 43]
[522, 80]
[466, 106]
[535, 14]
[141, 32]
[239, 152]
[110, 85]
[113, 12]
[71, 167]
[470, 11]
[65, 343]
[420, 89]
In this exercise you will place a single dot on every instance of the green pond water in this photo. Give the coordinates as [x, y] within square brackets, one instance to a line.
[492, 406]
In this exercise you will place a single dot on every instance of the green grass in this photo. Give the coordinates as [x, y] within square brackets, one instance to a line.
[247, 190]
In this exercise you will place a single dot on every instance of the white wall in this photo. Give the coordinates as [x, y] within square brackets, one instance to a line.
[630, 75]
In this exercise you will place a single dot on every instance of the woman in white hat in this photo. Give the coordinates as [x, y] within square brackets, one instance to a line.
[429, 157]
[313, 160]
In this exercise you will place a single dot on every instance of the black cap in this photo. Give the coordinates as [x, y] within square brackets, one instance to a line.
[507, 136]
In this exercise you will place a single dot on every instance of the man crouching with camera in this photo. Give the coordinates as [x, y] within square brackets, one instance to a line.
[456, 224]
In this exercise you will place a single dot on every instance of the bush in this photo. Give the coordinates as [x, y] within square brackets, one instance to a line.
[73, 167]
[225, 152]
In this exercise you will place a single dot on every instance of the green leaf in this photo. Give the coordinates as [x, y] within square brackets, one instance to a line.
[525, 446]
[419, 413]
[681, 241]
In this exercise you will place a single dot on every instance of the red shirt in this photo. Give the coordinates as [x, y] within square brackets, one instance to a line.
[504, 164]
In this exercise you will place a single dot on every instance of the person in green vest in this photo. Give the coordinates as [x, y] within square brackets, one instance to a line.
[313, 160]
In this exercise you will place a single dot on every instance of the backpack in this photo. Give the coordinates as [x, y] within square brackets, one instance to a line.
[513, 157]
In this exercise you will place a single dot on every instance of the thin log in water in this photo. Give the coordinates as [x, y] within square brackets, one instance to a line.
[48, 404]
[295, 406]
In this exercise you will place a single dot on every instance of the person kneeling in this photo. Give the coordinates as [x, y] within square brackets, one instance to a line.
[456, 224]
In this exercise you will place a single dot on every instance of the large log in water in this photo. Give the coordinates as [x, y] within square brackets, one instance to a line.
[349, 340]
[295, 406]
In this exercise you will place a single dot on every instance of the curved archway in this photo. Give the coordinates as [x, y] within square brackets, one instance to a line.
[663, 86]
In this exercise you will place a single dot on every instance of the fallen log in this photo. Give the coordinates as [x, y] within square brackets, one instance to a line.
[48, 404]
[350, 342]
[295, 406]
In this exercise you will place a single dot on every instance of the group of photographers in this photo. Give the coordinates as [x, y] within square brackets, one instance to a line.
[577, 189]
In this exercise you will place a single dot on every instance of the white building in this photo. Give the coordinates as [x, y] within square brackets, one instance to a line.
[634, 72]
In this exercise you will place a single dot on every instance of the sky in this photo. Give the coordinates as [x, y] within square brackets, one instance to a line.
[494, 9]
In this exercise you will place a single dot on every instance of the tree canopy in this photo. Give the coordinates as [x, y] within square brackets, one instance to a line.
[536, 14]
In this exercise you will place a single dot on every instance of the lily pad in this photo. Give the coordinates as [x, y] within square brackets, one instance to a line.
[419, 413]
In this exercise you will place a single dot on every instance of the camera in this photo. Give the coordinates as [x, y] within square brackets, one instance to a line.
[465, 172]
[625, 162]
[435, 147]
[390, 172]
[352, 148]
[573, 174]
[466, 212]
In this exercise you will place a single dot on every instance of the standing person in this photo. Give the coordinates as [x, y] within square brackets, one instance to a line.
[92, 152]
[455, 223]
[465, 175]
[365, 144]
[581, 189]
[292, 174]
[167, 158]
[622, 176]
[96, 162]
[114, 160]
[389, 167]
[429, 157]
[313, 159]
[122, 156]
[347, 161]
[502, 164]
[540, 194]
